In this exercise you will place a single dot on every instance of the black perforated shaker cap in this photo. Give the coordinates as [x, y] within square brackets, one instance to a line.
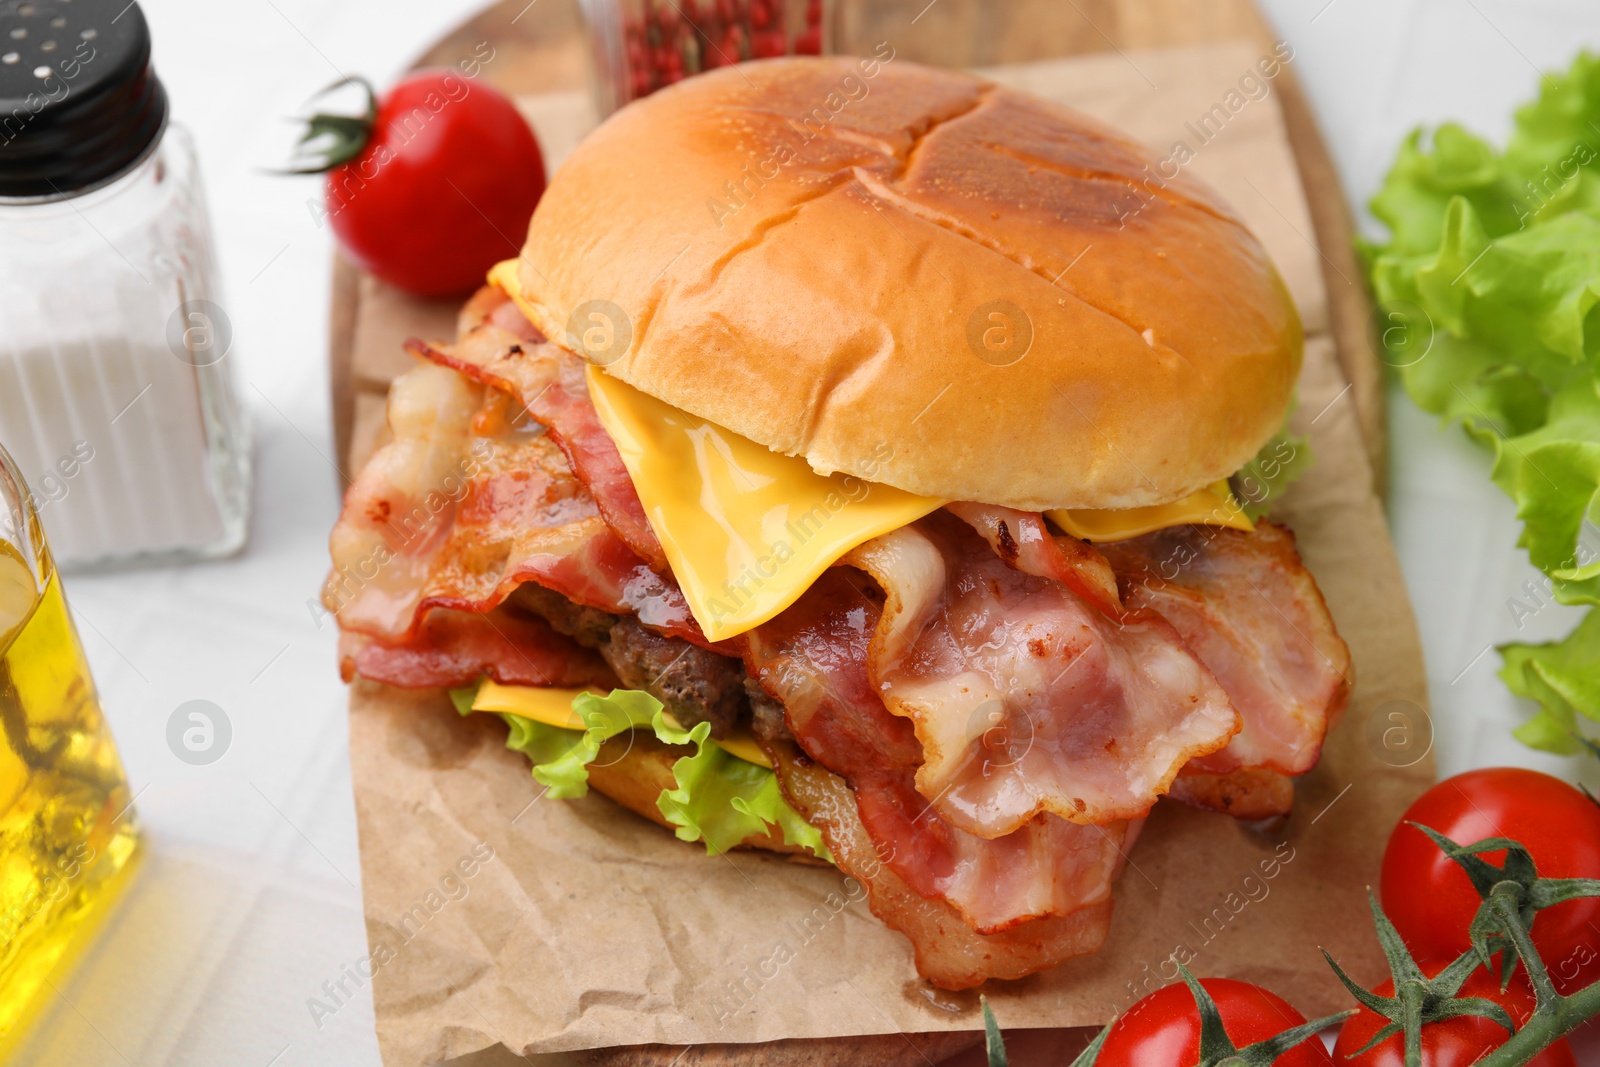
[79, 101]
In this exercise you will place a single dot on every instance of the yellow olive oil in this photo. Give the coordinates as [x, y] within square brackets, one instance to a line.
[67, 832]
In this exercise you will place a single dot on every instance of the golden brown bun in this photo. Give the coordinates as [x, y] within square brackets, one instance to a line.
[817, 295]
[633, 768]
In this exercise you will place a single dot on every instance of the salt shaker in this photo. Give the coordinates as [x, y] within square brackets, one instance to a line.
[116, 387]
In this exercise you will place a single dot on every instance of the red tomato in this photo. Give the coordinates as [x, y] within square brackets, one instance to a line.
[443, 189]
[1453, 1042]
[1430, 899]
[1163, 1029]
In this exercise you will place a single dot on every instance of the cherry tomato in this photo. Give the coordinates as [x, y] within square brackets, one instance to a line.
[444, 187]
[1430, 899]
[1453, 1042]
[1163, 1029]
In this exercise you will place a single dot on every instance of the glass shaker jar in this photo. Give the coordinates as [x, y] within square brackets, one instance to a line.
[644, 45]
[116, 397]
[68, 836]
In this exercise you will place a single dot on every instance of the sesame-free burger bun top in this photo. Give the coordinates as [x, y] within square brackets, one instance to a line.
[921, 278]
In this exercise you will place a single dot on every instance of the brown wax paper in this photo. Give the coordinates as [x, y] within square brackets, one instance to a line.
[496, 918]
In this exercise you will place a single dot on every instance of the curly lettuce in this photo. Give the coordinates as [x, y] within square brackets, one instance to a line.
[1282, 460]
[718, 798]
[1561, 676]
[723, 799]
[1553, 473]
[1487, 290]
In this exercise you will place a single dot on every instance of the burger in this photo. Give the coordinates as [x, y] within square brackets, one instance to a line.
[865, 463]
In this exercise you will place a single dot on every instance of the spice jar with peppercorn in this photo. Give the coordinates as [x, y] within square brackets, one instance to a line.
[645, 45]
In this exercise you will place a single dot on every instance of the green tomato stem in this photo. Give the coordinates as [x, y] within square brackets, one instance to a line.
[1410, 995]
[1544, 1028]
[1554, 1015]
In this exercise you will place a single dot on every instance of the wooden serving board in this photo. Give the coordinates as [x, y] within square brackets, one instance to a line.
[540, 54]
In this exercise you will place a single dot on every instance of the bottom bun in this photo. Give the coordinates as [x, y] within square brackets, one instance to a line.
[633, 768]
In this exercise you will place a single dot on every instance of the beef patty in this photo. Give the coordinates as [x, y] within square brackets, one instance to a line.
[695, 685]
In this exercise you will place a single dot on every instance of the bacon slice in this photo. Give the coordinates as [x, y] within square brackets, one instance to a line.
[949, 953]
[1097, 713]
[398, 511]
[549, 384]
[813, 659]
[1247, 606]
[1021, 539]
[467, 502]
[525, 518]
[1247, 793]
[453, 648]
[464, 505]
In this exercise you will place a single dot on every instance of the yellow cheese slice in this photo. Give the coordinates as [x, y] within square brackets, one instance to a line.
[1212, 506]
[553, 707]
[746, 529]
[503, 276]
[743, 745]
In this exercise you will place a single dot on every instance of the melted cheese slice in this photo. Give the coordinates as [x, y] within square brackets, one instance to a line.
[553, 707]
[746, 529]
[503, 276]
[1212, 506]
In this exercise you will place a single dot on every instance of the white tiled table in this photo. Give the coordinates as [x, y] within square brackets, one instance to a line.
[248, 902]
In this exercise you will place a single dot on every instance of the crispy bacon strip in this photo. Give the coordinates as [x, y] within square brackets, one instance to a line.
[1095, 712]
[949, 953]
[398, 511]
[525, 518]
[1247, 793]
[1247, 606]
[462, 506]
[549, 383]
[813, 658]
[454, 648]
[1021, 539]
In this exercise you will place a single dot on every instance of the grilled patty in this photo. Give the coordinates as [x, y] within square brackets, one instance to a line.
[695, 685]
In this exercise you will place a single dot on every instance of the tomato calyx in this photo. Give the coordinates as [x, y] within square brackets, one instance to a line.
[1512, 889]
[1216, 1047]
[1418, 1000]
[343, 137]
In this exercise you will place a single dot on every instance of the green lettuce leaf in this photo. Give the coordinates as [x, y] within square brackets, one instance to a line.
[722, 799]
[1423, 181]
[1468, 382]
[1487, 291]
[1282, 460]
[1553, 473]
[719, 798]
[1563, 678]
[561, 757]
[1554, 138]
[1546, 169]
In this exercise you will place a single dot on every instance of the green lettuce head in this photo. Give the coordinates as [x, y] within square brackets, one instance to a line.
[1487, 293]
